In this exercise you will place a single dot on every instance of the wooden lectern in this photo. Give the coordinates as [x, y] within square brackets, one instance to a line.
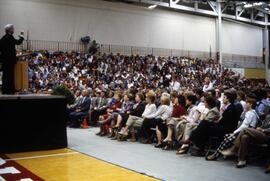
[21, 74]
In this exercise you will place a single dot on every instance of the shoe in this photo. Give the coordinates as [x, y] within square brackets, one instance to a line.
[160, 145]
[99, 133]
[122, 137]
[103, 134]
[111, 135]
[241, 164]
[145, 141]
[212, 157]
[115, 136]
[198, 153]
[186, 142]
[228, 152]
[168, 146]
[122, 133]
[183, 149]
[267, 169]
[131, 140]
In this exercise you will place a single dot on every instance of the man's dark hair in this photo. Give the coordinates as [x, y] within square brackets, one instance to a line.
[231, 95]
[211, 101]
[252, 102]
[192, 98]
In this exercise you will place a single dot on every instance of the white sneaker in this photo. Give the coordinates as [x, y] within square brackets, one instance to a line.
[241, 164]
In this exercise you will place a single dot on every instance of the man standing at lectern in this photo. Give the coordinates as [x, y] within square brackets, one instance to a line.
[8, 59]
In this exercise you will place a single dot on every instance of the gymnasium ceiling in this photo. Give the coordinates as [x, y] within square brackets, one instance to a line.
[252, 12]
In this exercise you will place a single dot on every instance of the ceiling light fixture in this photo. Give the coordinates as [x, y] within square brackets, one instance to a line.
[257, 4]
[247, 5]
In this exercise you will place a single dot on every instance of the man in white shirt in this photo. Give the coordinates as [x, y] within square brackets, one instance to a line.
[175, 85]
[208, 85]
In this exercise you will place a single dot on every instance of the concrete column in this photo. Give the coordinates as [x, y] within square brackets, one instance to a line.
[266, 46]
[219, 31]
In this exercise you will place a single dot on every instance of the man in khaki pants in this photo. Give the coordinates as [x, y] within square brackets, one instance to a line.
[260, 135]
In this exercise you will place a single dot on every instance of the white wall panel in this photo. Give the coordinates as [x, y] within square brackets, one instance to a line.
[122, 24]
[241, 39]
[111, 23]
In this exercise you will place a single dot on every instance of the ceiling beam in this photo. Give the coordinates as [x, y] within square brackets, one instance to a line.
[172, 4]
[241, 12]
[247, 20]
[262, 10]
[212, 5]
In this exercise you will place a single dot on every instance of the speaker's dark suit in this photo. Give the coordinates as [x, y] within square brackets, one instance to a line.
[8, 59]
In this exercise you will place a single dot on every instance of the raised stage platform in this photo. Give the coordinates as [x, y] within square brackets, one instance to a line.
[32, 122]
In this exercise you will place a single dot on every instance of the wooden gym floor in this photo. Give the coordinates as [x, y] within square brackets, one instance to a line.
[62, 165]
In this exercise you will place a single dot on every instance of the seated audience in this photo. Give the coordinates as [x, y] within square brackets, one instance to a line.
[250, 121]
[178, 111]
[263, 105]
[80, 110]
[211, 116]
[151, 121]
[193, 116]
[159, 77]
[260, 135]
[208, 85]
[127, 105]
[105, 119]
[98, 107]
[137, 115]
[226, 124]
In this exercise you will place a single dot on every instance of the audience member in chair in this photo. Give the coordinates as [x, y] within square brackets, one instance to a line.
[260, 135]
[81, 110]
[99, 107]
[105, 119]
[169, 126]
[211, 116]
[78, 97]
[193, 116]
[151, 121]
[263, 105]
[123, 111]
[136, 117]
[226, 124]
[250, 121]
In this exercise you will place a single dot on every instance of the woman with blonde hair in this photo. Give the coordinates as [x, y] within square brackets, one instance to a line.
[163, 112]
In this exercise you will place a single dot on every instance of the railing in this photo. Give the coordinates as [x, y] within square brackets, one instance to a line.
[242, 61]
[229, 60]
[36, 45]
[129, 50]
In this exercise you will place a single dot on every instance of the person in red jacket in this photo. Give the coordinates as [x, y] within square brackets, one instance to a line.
[105, 119]
[168, 127]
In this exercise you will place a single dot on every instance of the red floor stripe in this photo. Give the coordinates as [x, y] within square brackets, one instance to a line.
[15, 177]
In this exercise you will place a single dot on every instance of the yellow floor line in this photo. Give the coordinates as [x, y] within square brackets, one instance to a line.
[42, 156]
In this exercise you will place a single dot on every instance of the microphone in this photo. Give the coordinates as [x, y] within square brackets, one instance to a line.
[21, 35]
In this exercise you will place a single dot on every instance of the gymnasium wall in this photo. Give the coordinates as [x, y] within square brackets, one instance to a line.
[123, 24]
[242, 39]
[108, 23]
